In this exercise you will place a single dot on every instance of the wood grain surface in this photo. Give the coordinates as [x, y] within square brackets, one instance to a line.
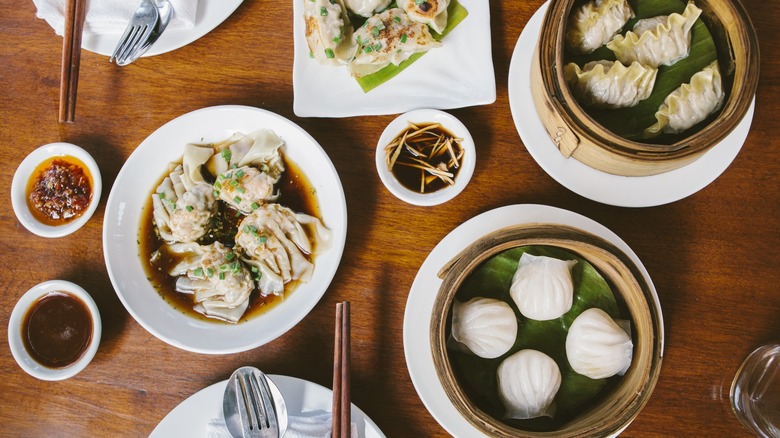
[713, 256]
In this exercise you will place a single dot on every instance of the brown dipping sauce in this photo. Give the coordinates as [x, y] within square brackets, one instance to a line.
[423, 147]
[59, 190]
[57, 329]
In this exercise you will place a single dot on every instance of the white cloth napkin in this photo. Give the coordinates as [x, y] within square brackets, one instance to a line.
[303, 426]
[111, 16]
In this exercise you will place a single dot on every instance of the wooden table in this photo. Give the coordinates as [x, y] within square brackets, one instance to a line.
[713, 256]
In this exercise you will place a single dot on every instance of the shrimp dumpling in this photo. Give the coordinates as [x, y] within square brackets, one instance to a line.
[542, 287]
[610, 84]
[328, 31]
[389, 38]
[595, 23]
[527, 384]
[487, 327]
[430, 12]
[657, 41]
[597, 347]
[690, 103]
[182, 209]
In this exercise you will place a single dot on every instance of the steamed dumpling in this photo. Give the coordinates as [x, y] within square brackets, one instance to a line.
[389, 38]
[595, 23]
[430, 12]
[527, 383]
[660, 41]
[328, 31]
[542, 287]
[691, 103]
[487, 327]
[366, 8]
[597, 347]
[610, 84]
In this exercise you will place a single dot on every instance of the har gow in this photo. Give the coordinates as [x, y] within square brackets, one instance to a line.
[597, 347]
[542, 287]
[486, 326]
[595, 23]
[691, 103]
[659, 41]
[610, 84]
[527, 384]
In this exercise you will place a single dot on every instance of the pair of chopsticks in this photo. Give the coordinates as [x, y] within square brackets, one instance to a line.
[75, 12]
[342, 423]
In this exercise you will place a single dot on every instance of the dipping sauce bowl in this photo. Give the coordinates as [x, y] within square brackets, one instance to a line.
[54, 330]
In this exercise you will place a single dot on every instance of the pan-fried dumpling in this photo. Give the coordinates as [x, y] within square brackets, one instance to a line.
[389, 38]
[527, 383]
[542, 287]
[487, 327]
[328, 31]
[366, 8]
[690, 103]
[595, 23]
[610, 84]
[597, 347]
[430, 12]
[660, 41]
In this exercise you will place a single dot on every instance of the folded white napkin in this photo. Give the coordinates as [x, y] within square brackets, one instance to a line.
[302, 426]
[111, 16]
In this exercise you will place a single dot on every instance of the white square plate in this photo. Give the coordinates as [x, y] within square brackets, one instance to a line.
[458, 74]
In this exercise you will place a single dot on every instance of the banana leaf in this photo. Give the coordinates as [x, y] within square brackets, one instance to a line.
[631, 122]
[455, 14]
[477, 376]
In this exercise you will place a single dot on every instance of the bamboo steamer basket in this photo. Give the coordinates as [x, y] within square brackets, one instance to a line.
[578, 135]
[611, 413]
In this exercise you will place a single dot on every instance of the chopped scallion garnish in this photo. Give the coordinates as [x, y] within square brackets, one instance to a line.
[329, 54]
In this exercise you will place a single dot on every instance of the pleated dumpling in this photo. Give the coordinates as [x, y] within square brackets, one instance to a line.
[610, 84]
[595, 23]
[389, 38]
[487, 327]
[542, 287]
[527, 384]
[657, 41]
[328, 31]
[430, 12]
[366, 8]
[690, 103]
[597, 347]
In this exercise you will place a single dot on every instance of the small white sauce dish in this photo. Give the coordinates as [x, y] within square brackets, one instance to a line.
[25, 171]
[418, 117]
[16, 331]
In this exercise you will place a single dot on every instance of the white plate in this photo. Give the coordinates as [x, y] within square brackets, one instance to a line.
[417, 317]
[458, 74]
[622, 191]
[210, 14]
[191, 417]
[129, 195]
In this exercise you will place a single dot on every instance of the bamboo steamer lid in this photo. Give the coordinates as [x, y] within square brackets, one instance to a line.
[611, 413]
[579, 136]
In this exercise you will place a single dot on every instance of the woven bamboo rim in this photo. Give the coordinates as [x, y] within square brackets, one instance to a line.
[615, 411]
[578, 135]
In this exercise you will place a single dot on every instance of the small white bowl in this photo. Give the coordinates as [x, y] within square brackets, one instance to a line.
[426, 116]
[23, 174]
[16, 342]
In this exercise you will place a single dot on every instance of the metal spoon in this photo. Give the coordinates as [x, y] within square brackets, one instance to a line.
[230, 407]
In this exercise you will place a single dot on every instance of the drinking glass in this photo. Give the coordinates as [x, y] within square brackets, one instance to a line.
[755, 391]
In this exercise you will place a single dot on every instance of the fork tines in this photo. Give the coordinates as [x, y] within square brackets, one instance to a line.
[255, 404]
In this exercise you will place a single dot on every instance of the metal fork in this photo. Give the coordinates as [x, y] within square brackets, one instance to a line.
[255, 406]
[136, 34]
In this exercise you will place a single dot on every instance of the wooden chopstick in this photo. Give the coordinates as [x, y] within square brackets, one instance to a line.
[71, 58]
[342, 422]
